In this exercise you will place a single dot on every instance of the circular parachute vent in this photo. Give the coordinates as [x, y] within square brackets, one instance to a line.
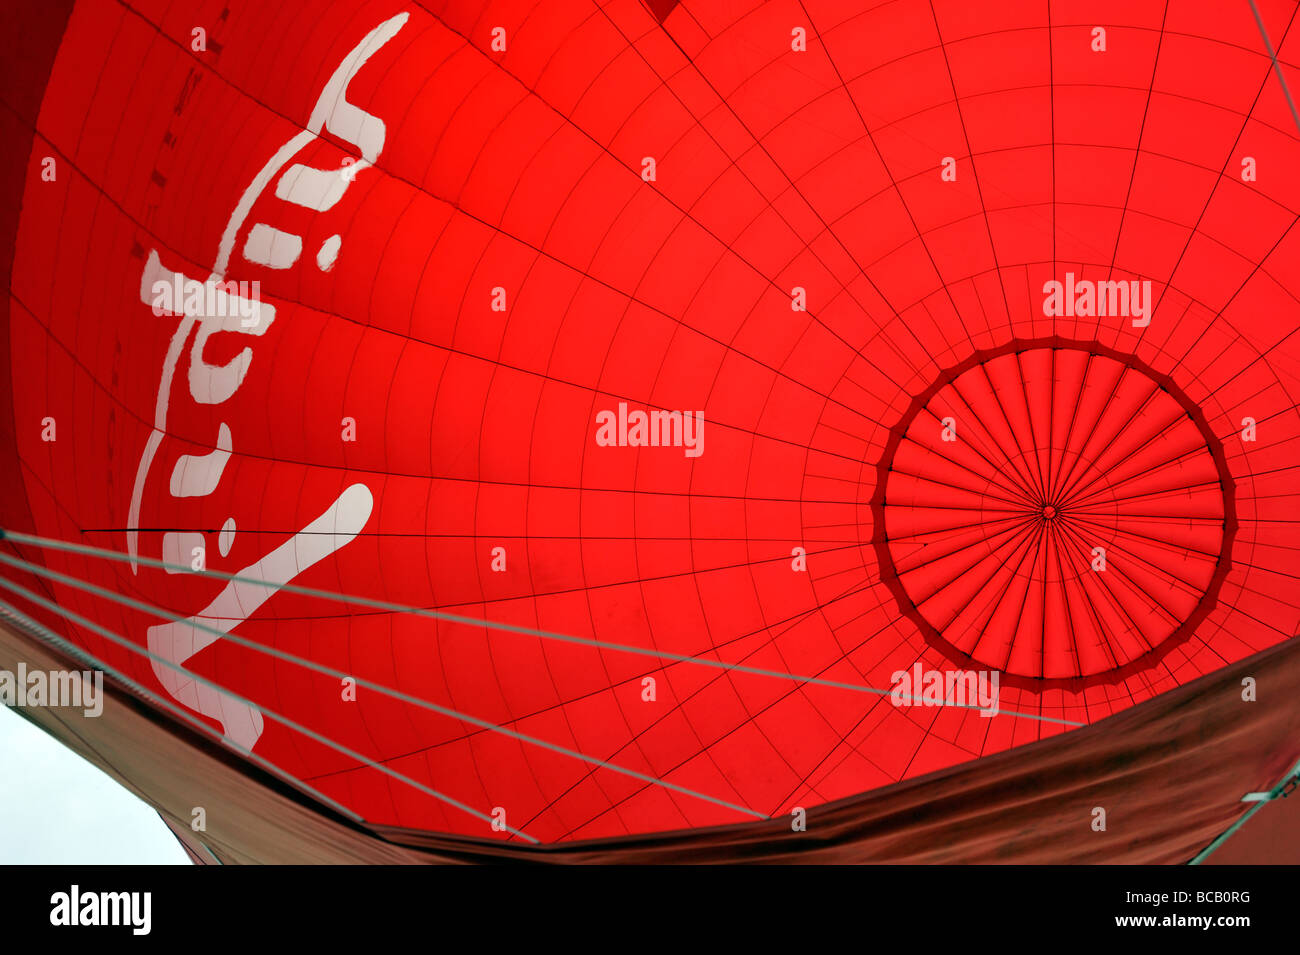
[1054, 510]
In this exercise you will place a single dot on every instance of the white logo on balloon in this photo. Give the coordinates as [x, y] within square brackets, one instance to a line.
[199, 475]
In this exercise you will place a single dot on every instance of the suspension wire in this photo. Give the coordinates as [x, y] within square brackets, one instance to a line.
[369, 684]
[292, 724]
[17, 618]
[89, 551]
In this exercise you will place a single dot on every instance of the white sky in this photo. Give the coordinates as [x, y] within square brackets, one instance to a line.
[57, 808]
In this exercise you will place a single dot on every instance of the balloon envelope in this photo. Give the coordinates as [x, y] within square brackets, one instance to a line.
[687, 399]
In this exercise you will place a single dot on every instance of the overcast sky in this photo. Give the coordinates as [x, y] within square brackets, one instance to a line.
[57, 808]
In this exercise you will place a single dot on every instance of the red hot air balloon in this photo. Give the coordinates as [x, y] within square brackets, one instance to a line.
[663, 431]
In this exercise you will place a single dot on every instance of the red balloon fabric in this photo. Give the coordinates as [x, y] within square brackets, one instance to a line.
[734, 373]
